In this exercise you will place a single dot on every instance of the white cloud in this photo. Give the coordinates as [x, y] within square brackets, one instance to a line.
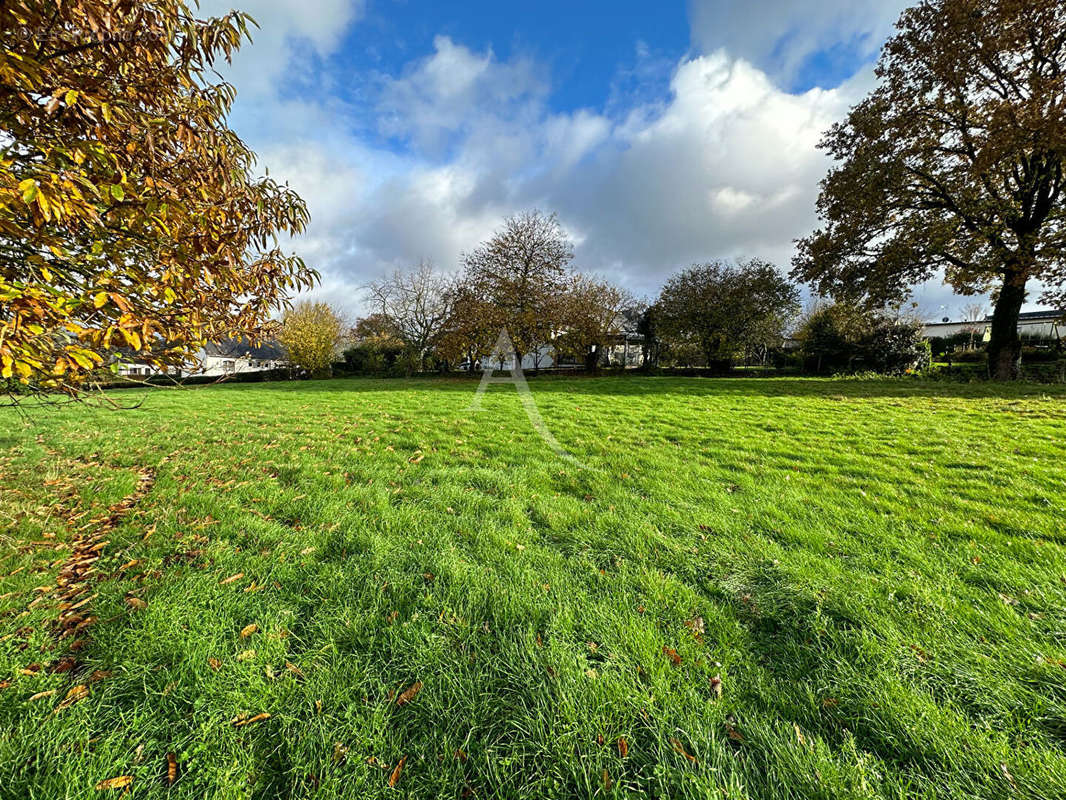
[286, 28]
[725, 165]
[780, 35]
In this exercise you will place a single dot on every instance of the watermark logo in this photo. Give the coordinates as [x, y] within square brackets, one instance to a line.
[503, 350]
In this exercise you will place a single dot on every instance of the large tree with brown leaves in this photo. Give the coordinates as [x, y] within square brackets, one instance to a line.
[953, 163]
[129, 214]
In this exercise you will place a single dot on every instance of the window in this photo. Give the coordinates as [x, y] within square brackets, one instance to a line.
[227, 366]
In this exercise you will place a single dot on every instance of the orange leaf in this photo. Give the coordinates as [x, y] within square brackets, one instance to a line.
[409, 694]
[680, 749]
[121, 782]
[623, 747]
[232, 578]
[172, 768]
[672, 655]
[248, 630]
[136, 603]
[394, 778]
[214, 663]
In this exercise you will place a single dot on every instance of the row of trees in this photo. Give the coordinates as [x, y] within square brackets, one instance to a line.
[521, 281]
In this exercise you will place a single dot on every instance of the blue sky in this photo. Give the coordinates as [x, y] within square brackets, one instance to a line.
[662, 134]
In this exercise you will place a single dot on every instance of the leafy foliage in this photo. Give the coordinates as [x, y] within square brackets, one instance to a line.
[842, 337]
[129, 215]
[518, 277]
[722, 310]
[311, 333]
[954, 163]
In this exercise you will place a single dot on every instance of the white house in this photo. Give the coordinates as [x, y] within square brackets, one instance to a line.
[1031, 324]
[217, 359]
[237, 356]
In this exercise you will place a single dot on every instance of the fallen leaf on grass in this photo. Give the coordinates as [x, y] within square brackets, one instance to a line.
[679, 748]
[716, 686]
[247, 655]
[394, 778]
[416, 459]
[42, 695]
[214, 663]
[121, 782]
[1008, 776]
[733, 733]
[248, 630]
[136, 603]
[606, 781]
[409, 694]
[623, 747]
[671, 653]
[232, 578]
[295, 670]
[172, 768]
[340, 753]
[77, 693]
[461, 755]
[237, 722]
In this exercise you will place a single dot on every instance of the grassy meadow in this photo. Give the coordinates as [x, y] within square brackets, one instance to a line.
[750, 589]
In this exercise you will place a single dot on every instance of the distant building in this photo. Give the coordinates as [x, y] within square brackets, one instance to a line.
[217, 359]
[237, 356]
[1031, 324]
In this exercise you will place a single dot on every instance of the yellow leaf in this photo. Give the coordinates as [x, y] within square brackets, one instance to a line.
[121, 782]
[100, 299]
[248, 630]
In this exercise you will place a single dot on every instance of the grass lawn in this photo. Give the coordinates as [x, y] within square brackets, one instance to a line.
[754, 588]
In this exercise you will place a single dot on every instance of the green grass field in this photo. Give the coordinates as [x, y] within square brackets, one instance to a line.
[753, 589]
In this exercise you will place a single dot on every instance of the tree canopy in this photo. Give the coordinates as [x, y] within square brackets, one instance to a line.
[129, 214]
[953, 164]
[722, 310]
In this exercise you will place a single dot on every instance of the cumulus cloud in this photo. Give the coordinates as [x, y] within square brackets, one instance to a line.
[781, 36]
[723, 165]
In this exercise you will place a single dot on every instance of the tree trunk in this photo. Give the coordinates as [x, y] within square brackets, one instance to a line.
[1005, 346]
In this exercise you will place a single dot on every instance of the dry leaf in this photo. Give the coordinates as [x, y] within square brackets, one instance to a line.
[172, 768]
[42, 695]
[232, 578]
[671, 653]
[248, 630]
[214, 663]
[340, 753]
[461, 755]
[606, 781]
[247, 655]
[77, 693]
[716, 686]
[623, 746]
[1008, 776]
[295, 670]
[250, 720]
[680, 749]
[409, 694]
[416, 459]
[394, 778]
[121, 782]
[136, 603]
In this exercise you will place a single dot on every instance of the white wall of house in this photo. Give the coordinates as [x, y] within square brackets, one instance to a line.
[219, 366]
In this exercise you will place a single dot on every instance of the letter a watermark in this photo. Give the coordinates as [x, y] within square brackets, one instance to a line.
[505, 349]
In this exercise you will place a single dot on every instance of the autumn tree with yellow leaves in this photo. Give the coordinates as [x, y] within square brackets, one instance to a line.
[129, 213]
[311, 333]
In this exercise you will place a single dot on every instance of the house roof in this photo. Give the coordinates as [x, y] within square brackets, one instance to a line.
[1025, 316]
[241, 348]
